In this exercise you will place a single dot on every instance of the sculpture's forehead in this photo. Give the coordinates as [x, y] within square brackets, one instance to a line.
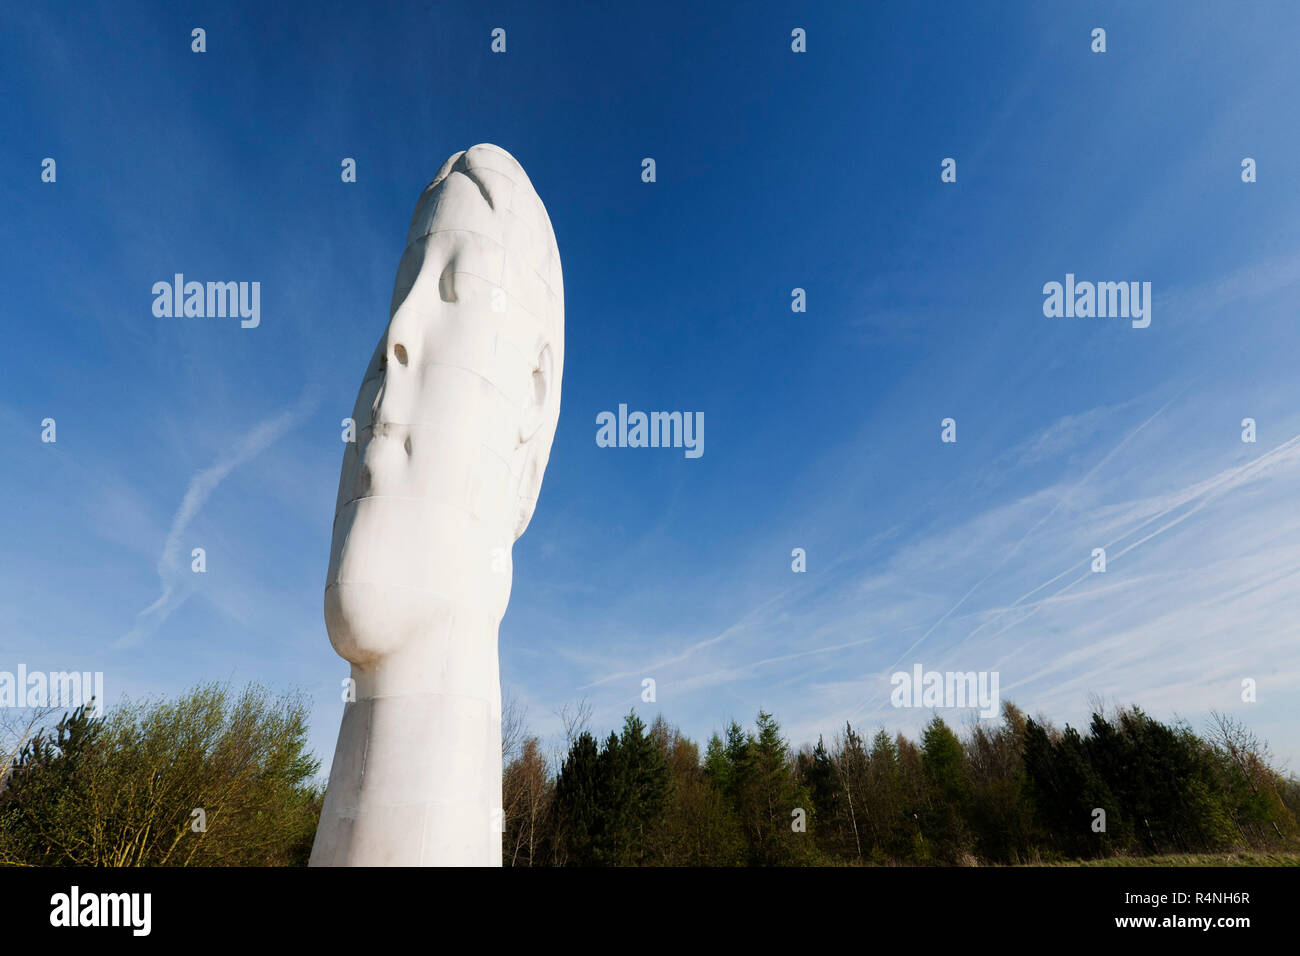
[489, 223]
[488, 193]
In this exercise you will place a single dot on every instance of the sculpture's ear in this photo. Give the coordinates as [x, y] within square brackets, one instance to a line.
[539, 395]
[536, 431]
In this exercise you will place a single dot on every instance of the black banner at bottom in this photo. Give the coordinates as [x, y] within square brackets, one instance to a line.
[926, 905]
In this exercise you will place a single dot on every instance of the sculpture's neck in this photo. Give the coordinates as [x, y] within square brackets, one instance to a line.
[416, 779]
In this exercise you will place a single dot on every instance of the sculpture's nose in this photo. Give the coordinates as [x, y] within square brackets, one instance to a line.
[398, 386]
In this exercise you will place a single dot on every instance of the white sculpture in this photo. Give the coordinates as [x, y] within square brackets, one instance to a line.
[454, 420]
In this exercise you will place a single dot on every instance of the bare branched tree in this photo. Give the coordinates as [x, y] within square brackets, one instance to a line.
[514, 718]
[527, 793]
[15, 730]
[1248, 752]
[575, 718]
[849, 758]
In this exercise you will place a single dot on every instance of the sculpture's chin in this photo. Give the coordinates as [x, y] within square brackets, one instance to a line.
[369, 621]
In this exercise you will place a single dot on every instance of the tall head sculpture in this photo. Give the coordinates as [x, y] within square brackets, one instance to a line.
[454, 421]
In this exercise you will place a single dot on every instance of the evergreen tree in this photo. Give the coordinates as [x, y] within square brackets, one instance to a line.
[610, 800]
[717, 764]
[819, 774]
[1068, 791]
[577, 794]
[1001, 815]
[915, 801]
[698, 827]
[948, 791]
[637, 783]
[766, 795]
[889, 825]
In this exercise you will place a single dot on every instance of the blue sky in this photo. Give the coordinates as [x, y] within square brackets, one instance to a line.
[775, 170]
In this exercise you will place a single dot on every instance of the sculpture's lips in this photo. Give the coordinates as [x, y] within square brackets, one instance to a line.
[377, 452]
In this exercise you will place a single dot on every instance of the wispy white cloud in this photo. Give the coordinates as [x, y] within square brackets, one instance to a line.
[1055, 430]
[1203, 550]
[173, 565]
[1200, 592]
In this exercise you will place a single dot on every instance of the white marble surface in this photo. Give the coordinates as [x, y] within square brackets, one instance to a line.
[455, 418]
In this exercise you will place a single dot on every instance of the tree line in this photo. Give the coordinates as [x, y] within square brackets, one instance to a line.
[1019, 791]
[215, 778]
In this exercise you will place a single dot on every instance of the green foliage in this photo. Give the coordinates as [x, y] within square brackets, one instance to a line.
[831, 799]
[1068, 790]
[1163, 789]
[1001, 814]
[1161, 779]
[698, 827]
[766, 793]
[610, 801]
[577, 810]
[635, 782]
[1017, 791]
[123, 790]
[948, 792]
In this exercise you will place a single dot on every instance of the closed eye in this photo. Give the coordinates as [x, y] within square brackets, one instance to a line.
[447, 283]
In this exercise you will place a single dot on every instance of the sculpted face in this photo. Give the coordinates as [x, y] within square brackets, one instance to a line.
[455, 415]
